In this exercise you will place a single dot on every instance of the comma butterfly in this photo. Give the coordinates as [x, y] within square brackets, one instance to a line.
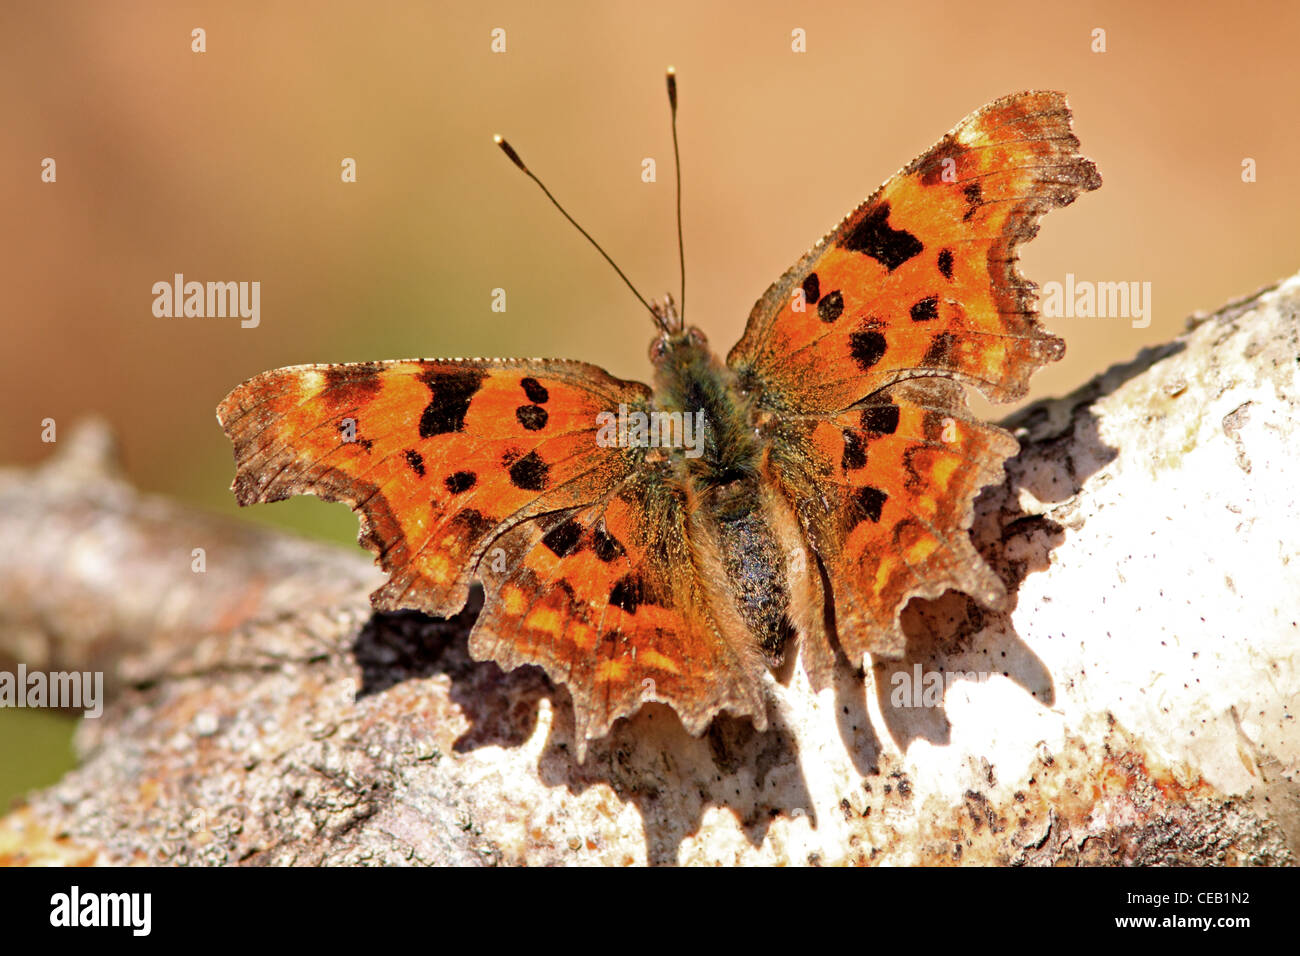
[671, 543]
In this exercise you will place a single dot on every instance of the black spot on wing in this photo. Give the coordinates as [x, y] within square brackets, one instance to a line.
[945, 263]
[880, 419]
[812, 288]
[973, 193]
[874, 237]
[530, 473]
[831, 308]
[855, 451]
[926, 309]
[415, 460]
[869, 502]
[532, 417]
[628, 593]
[451, 394]
[564, 538]
[460, 481]
[605, 546]
[867, 348]
[535, 391]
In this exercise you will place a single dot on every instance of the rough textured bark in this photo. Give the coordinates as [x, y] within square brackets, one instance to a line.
[1135, 704]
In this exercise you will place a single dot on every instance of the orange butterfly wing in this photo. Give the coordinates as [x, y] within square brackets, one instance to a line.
[486, 469]
[885, 494]
[920, 280]
[608, 599]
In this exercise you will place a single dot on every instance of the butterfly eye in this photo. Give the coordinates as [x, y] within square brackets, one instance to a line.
[659, 350]
[696, 337]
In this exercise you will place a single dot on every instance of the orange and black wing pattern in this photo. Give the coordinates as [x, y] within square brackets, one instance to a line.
[609, 600]
[438, 457]
[854, 355]
[921, 278]
[884, 492]
[494, 470]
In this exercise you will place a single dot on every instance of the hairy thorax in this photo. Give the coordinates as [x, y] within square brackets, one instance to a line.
[743, 536]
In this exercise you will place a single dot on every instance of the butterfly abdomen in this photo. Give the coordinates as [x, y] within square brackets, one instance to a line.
[753, 563]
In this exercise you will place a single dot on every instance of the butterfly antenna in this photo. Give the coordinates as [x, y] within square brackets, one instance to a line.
[677, 166]
[514, 158]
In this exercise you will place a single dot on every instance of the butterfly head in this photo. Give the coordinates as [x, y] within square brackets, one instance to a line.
[669, 347]
[675, 337]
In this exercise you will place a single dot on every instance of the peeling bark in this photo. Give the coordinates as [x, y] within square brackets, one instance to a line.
[1135, 703]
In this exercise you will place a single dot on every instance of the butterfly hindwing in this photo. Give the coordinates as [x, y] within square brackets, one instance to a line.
[610, 601]
[885, 491]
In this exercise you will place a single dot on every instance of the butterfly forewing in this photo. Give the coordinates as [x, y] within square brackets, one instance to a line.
[437, 456]
[922, 278]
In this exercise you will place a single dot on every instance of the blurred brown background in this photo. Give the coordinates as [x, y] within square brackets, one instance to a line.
[225, 165]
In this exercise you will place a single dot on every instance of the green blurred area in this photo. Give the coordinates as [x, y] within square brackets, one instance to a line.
[35, 751]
